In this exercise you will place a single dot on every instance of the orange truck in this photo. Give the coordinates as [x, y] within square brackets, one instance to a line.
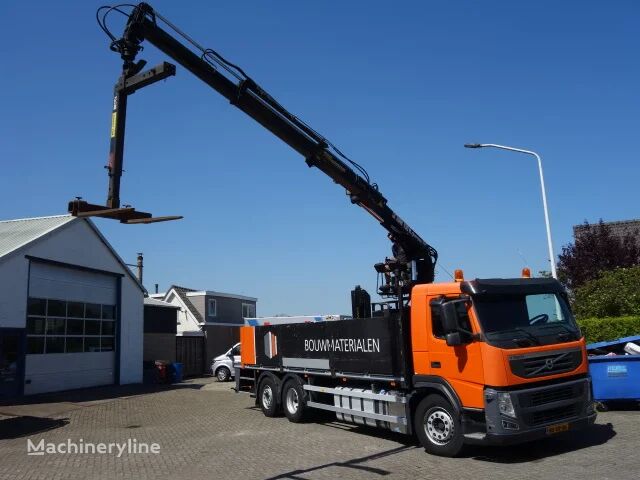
[485, 361]
[498, 361]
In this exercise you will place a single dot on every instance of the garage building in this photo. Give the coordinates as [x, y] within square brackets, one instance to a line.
[71, 311]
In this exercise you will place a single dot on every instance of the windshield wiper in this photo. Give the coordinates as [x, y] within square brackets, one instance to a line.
[561, 325]
[534, 340]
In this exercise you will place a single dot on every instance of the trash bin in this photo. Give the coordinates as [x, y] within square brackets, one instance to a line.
[161, 371]
[615, 377]
[176, 372]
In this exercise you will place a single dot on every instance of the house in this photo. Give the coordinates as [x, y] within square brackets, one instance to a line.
[619, 229]
[208, 323]
[71, 311]
[160, 328]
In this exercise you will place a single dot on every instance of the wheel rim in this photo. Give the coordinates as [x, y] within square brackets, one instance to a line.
[222, 374]
[267, 397]
[439, 426]
[293, 401]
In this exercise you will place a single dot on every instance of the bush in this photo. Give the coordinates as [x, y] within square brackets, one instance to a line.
[614, 294]
[604, 329]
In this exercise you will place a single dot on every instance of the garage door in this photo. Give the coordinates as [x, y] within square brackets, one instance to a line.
[71, 329]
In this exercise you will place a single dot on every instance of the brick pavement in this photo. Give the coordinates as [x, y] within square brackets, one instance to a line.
[205, 430]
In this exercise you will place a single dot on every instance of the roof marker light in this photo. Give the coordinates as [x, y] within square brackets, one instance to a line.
[458, 275]
[526, 273]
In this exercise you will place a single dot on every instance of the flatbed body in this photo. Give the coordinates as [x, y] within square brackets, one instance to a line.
[364, 348]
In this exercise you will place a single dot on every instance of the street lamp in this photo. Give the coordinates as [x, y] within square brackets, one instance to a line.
[544, 193]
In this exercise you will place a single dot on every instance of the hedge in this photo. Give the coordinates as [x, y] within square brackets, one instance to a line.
[615, 294]
[604, 329]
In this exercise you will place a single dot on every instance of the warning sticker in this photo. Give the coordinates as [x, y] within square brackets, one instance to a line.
[616, 370]
[114, 117]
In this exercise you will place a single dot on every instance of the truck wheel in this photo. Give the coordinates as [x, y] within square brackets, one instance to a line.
[438, 427]
[223, 374]
[268, 398]
[294, 401]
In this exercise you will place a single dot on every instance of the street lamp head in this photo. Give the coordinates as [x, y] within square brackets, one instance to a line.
[472, 145]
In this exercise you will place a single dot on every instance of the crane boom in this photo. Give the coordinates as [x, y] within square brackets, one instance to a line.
[414, 259]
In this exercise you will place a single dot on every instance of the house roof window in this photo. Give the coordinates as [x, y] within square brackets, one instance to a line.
[212, 307]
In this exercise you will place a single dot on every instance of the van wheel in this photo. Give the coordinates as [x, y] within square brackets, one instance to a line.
[268, 398]
[223, 374]
[438, 427]
[294, 401]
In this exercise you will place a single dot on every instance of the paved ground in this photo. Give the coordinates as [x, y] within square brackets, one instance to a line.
[205, 430]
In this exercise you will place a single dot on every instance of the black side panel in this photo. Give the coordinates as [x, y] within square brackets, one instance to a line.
[364, 346]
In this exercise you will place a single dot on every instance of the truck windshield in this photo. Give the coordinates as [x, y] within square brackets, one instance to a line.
[512, 321]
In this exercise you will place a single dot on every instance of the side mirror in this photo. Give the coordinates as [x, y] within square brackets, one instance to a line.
[454, 339]
[449, 314]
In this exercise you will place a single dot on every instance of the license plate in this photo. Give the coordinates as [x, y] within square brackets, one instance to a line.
[561, 427]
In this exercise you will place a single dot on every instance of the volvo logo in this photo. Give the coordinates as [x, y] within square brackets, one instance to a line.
[549, 362]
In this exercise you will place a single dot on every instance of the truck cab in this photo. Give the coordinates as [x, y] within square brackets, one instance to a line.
[507, 352]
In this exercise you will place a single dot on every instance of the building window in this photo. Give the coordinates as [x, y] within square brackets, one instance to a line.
[212, 307]
[57, 326]
[248, 310]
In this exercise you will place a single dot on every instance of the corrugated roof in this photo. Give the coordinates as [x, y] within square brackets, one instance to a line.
[18, 233]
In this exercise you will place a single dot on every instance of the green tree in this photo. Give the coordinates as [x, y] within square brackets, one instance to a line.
[595, 251]
[614, 294]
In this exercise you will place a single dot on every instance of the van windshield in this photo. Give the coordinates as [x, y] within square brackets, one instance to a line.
[519, 320]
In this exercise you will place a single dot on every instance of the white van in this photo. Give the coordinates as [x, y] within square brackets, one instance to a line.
[223, 366]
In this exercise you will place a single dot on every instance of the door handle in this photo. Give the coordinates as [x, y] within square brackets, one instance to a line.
[435, 365]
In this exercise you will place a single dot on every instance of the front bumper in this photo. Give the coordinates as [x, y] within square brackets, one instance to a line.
[513, 438]
[540, 412]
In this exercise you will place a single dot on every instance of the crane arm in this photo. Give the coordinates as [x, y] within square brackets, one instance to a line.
[245, 94]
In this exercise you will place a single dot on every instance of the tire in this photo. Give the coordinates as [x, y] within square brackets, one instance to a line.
[294, 402]
[268, 398]
[437, 425]
[223, 374]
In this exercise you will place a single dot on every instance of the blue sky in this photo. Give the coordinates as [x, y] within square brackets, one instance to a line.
[399, 86]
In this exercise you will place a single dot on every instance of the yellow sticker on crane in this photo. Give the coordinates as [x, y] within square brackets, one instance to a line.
[114, 117]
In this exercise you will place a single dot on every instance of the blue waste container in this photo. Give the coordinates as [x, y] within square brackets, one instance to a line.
[176, 372]
[615, 377]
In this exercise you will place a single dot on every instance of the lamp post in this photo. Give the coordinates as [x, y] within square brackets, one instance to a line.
[544, 193]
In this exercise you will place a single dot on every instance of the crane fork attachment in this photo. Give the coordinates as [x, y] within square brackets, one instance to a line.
[128, 83]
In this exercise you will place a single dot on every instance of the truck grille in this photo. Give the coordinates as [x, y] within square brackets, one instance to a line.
[542, 364]
[548, 396]
[553, 415]
[551, 403]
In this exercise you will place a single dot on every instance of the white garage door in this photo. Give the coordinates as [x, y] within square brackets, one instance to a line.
[71, 328]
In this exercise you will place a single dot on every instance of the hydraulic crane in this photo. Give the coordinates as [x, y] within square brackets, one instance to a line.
[413, 260]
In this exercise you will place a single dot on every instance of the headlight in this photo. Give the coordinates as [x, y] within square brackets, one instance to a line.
[505, 405]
